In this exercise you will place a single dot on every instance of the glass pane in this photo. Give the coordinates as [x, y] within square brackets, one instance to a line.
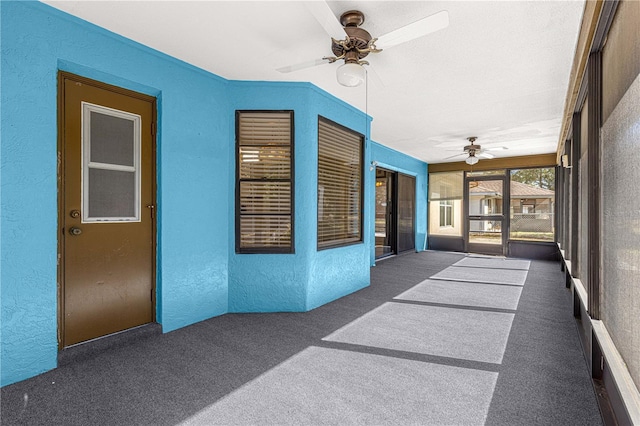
[382, 204]
[265, 231]
[264, 128]
[339, 185]
[485, 197]
[485, 231]
[406, 206]
[265, 162]
[112, 194]
[265, 197]
[532, 204]
[500, 172]
[445, 218]
[112, 139]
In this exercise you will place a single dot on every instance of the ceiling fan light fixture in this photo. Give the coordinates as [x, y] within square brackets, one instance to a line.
[350, 74]
[471, 160]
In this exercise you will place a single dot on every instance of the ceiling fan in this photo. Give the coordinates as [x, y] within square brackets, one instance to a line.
[474, 152]
[351, 43]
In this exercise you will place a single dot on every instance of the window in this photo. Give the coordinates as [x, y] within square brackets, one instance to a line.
[340, 159]
[445, 203]
[264, 190]
[110, 165]
[446, 213]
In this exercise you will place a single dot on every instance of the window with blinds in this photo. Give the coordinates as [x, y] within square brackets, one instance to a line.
[264, 191]
[340, 181]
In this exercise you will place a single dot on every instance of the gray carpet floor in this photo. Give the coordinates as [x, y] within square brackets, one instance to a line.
[501, 349]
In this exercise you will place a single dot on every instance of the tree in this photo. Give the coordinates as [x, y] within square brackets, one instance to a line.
[540, 177]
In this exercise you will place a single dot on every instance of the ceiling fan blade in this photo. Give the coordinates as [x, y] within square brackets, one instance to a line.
[302, 65]
[324, 15]
[485, 155]
[494, 148]
[420, 28]
[453, 156]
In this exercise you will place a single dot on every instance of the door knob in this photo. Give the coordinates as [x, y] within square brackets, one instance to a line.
[75, 231]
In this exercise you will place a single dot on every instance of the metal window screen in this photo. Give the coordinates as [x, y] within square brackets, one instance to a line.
[111, 194]
[111, 139]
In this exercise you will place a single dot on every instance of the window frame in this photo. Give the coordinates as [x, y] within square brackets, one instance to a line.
[360, 136]
[87, 109]
[446, 186]
[238, 215]
[447, 207]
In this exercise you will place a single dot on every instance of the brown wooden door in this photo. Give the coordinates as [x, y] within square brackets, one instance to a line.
[106, 210]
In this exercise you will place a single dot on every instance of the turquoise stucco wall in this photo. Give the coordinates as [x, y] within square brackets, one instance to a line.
[273, 282]
[193, 147]
[307, 278]
[199, 275]
[339, 271]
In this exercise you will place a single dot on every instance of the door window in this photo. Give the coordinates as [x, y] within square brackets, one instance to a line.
[110, 165]
[485, 215]
[406, 208]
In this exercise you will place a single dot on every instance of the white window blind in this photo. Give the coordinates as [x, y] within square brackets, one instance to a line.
[446, 186]
[264, 190]
[339, 185]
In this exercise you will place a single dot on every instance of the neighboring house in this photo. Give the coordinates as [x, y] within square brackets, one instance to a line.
[530, 207]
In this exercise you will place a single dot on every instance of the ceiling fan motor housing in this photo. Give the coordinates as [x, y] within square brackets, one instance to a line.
[359, 38]
[472, 149]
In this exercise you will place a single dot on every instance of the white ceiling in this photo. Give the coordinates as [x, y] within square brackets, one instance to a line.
[499, 71]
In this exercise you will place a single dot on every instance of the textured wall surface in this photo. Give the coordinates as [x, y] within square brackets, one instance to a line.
[308, 278]
[275, 282]
[193, 146]
[621, 228]
[339, 271]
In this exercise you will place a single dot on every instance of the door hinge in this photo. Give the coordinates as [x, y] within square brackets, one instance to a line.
[153, 129]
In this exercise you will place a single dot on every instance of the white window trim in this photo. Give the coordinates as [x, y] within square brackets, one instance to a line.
[447, 207]
[87, 164]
